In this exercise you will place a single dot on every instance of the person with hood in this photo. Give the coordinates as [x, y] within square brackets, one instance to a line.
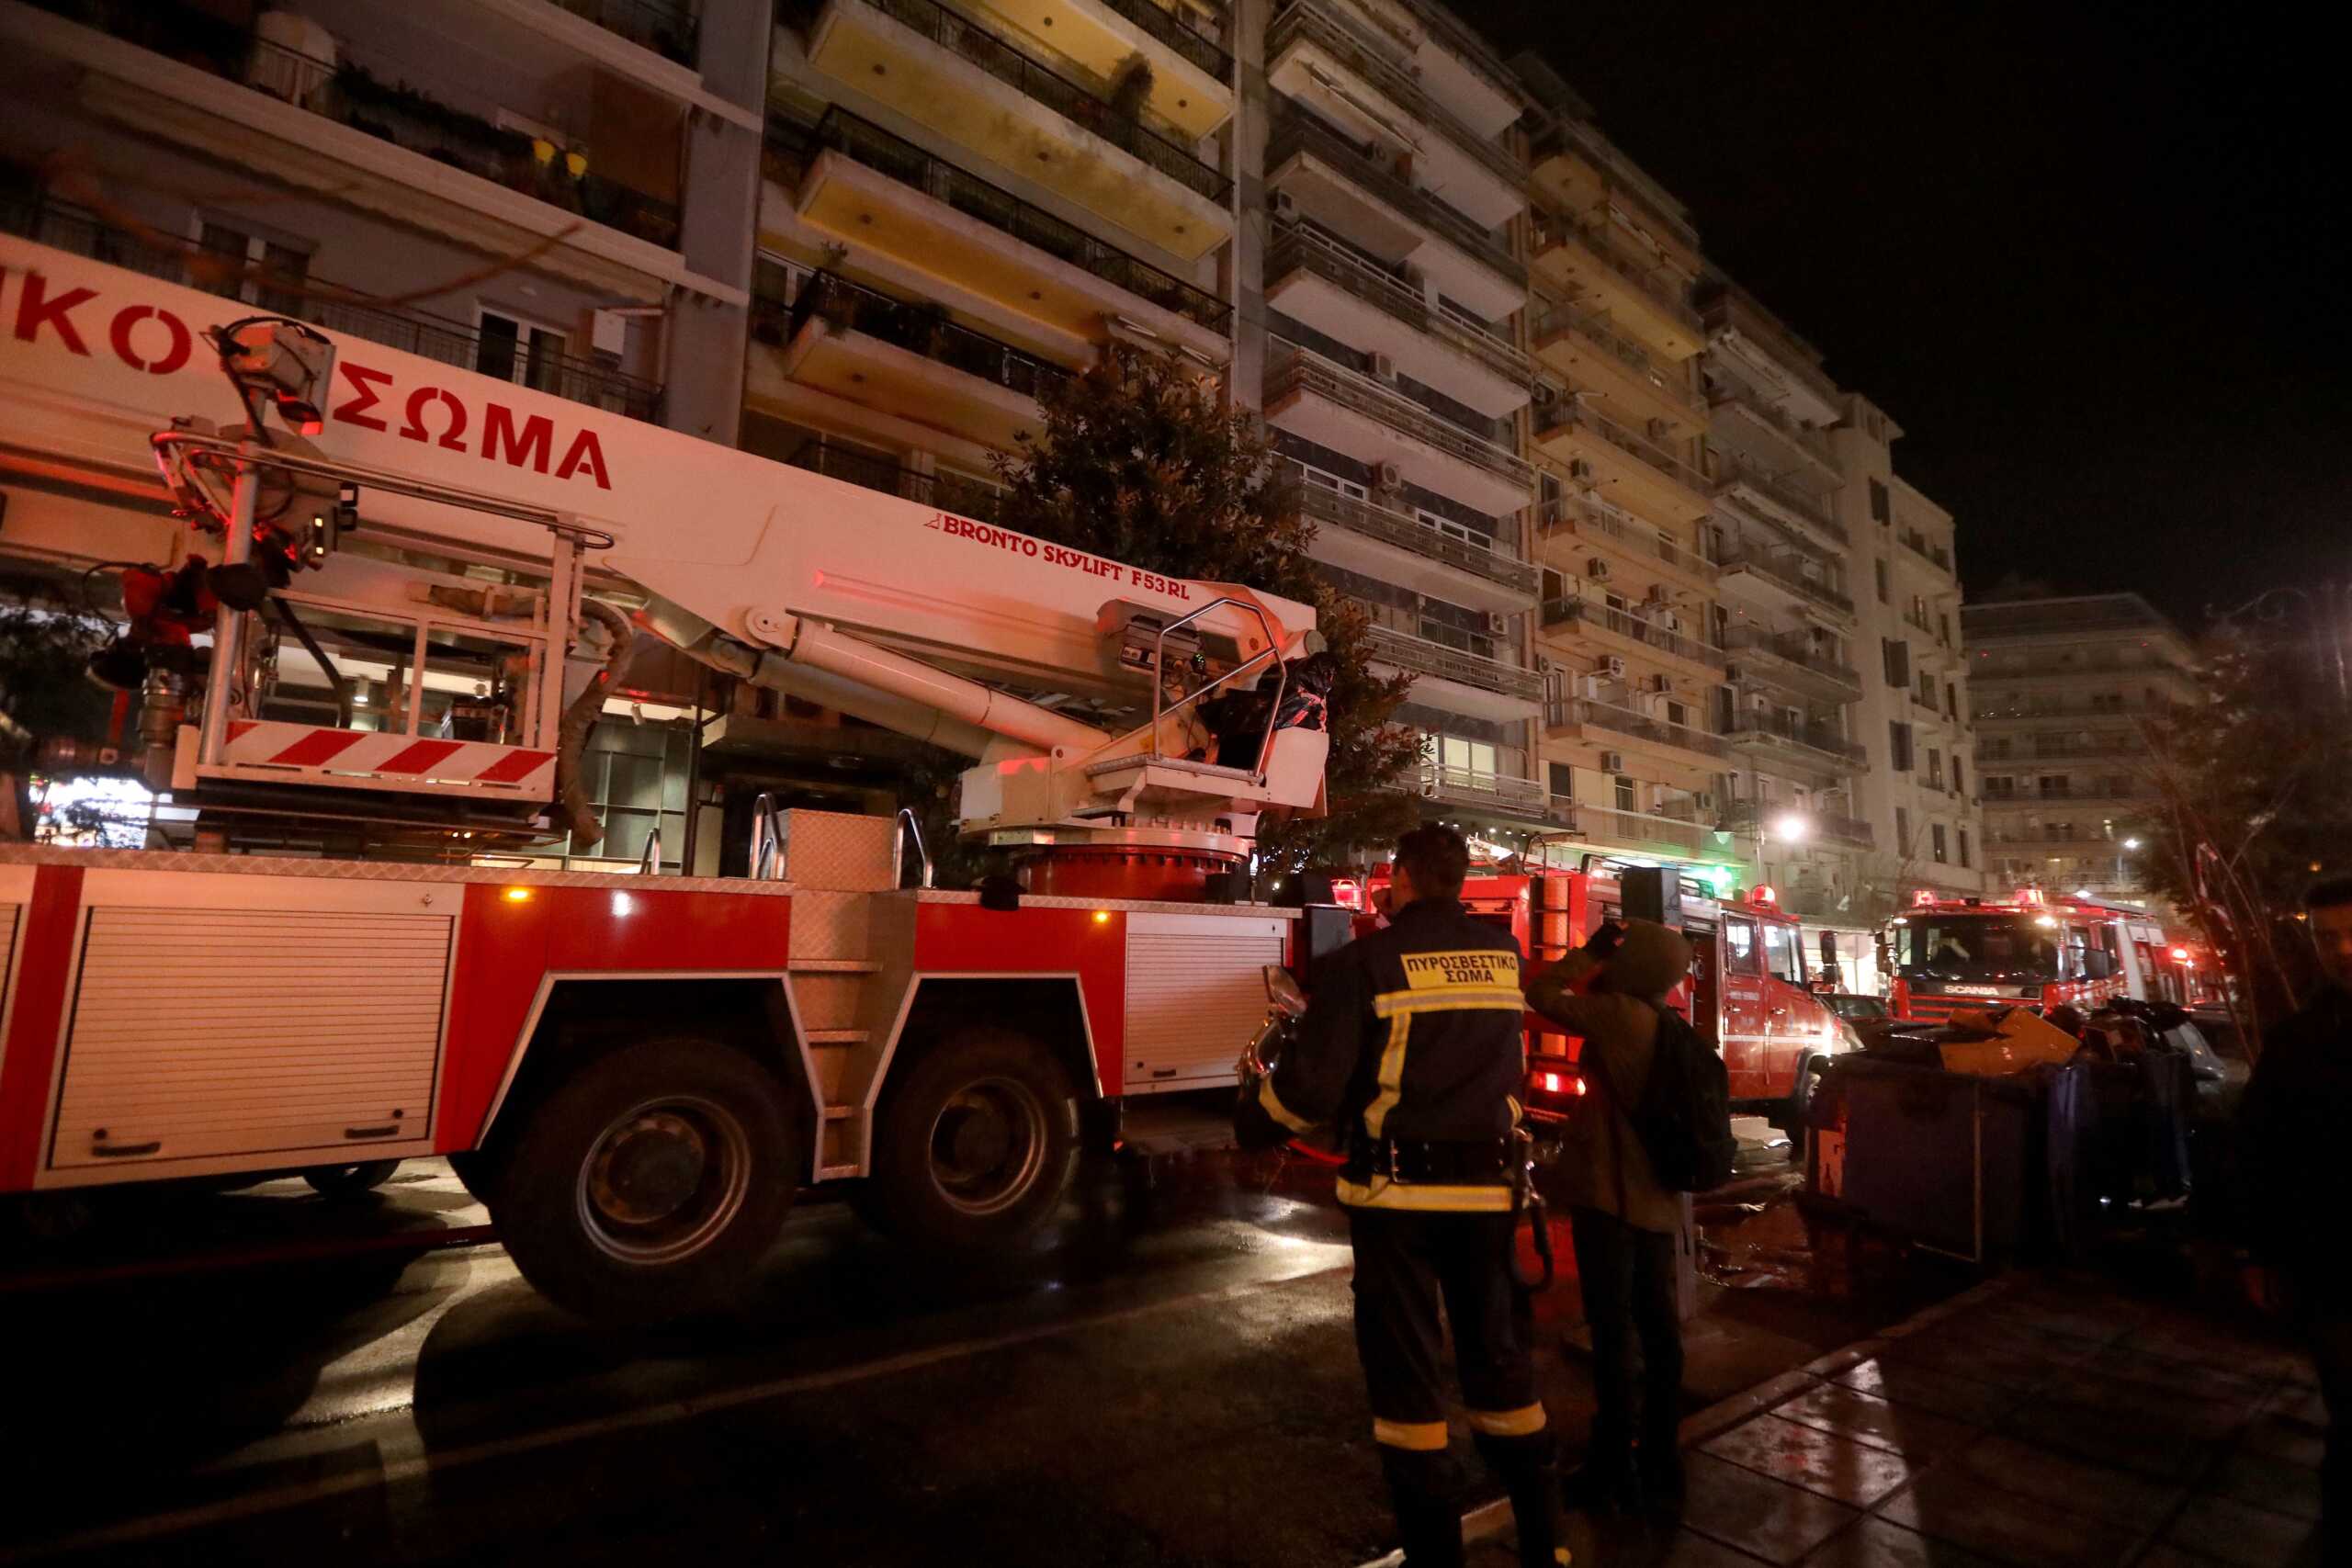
[1610, 993]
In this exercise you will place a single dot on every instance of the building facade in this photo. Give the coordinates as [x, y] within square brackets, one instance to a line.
[2064, 689]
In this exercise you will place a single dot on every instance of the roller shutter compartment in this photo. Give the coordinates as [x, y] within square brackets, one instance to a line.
[1196, 991]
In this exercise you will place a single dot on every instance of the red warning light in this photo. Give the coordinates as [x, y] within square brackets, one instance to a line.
[1765, 893]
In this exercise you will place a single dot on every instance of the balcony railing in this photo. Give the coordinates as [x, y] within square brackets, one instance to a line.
[1468, 786]
[1808, 440]
[1749, 725]
[1327, 505]
[330, 306]
[1597, 330]
[349, 93]
[1606, 825]
[1163, 24]
[1661, 285]
[1298, 248]
[1569, 414]
[968, 40]
[791, 147]
[1751, 817]
[1587, 520]
[1792, 650]
[1296, 133]
[919, 329]
[1304, 20]
[1592, 712]
[1593, 611]
[2076, 752]
[1293, 368]
[1786, 570]
[1731, 470]
[1425, 656]
[666, 27]
[949, 492]
[1935, 554]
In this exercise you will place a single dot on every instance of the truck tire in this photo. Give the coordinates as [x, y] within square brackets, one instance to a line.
[475, 1172]
[648, 1182]
[350, 1181]
[974, 1146]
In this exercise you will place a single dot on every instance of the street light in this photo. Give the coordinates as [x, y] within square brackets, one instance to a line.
[2131, 843]
[1791, 828]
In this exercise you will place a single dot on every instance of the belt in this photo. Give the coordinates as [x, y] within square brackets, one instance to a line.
[1416, 1159]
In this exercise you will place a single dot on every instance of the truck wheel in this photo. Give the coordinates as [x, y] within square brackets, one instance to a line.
[475, 1173]
[648, 1182]
[350, 1181]
[973, 1147]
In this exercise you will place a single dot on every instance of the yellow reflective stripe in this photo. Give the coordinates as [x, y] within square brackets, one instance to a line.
[1383, 1192]
[1524, 1421]
[1392, 1073]
[1518, 1112]
[1271, 1103]
[1421, 1437]
[1507, 999]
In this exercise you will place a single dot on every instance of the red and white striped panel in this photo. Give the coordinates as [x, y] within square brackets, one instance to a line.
[394, 760]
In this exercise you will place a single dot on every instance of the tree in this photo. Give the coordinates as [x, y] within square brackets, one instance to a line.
[44, 695]
[1138, 461]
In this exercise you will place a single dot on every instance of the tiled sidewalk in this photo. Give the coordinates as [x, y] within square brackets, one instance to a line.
[2043, 1419]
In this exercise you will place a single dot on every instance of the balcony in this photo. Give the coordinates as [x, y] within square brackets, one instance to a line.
[949, 74]
[1737, 398]
[2071, 751]
[872, 189]
[1458, 674]
[1344, 186]
[948, 492]
[1847, 832]
[338, 309]
[1649, 298]
[1615, 534]
[1093, 40]
[1734, 473]
[1315, 279]
[1479, 791]
[1800, 581]
[1333, 406]
[666, 27]
[1309, 52]
[2071, 713]
[1607, 723]
[1642, 832]
[1934, 554]
[1623, 626]
[1395, 547]
[1587, 347]
[902, 358]
[1634, 472]
[1789, 661]
[1810, 745]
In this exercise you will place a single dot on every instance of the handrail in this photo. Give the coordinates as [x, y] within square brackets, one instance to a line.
[1557, 228]
[1594, 327]
[1623, 720]
[1734, 470]
[1569, 413]
[1773, 565]
[1159, 675]
[767, 835]
[1392, 408]
[1162, 25]
[906, 816]
[1488, 560]
[1300, 133]
[649, 861]
[1805, 439]
[1304, 16]
[1635, 628]
[1296, 245]
[1583, 517]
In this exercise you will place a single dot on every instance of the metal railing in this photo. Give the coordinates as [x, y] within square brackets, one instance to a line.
[968, 40]
[1786, 570]
[949, 492]
[1731, 470]
[791, 147]
[1163, 24]
[666, 27]
[1749, 817]
[1659, 284]
[1295, 133]
[1607, 824]
[1569, 414]
[920, 328]
[1791, 648]
[1298, 248]
[1590, 520]
[1750, 725]
[1807, 439]
[1468, 786]
[1570, 610]
[1597, 150]
[2095, 751]
[1597, 330]
[330, 306]
[1988, 713]
[1293, 368]
[1495, 565]
[1592, 712]
[1934, 554]
[1423, 655]
[1302, 19]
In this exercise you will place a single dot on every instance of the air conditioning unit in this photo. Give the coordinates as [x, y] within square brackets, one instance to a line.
[1580, 469]
[1597, 570]
[1731, 674]
[1545, 394]
[1670, 621]
[1384, 366]
[1661, 430]
[1612, 665]
[1661, 682]
[1413, 275]
[1388, 476]
[1795, 718]
[1759, 703]
[1703, 801]
[1284, 204]
[1612, 762]
[1498, 623]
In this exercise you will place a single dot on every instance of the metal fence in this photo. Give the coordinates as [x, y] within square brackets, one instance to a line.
[1591, 712]
[1298, 248]
[1327, 505]
[1296, 133]
[922, 329]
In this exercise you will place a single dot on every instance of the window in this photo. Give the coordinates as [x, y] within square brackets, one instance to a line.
[1457, 755]
[1562, 780]
[1879, 567]
[1740, 945]
[1783, 959]
[1899, 745]
[2107, 701]
[529, 354]
[1943, 626]
[1882, 507]
[2000, 786]
[1676, 713]
[1963, 848]
[1897, 655]
[1901, 831]
[1628, 794]
[1936, 840]
[1957, 787]
[2055, 786]
[269, 274]
[1951, 700]
[1935, 768]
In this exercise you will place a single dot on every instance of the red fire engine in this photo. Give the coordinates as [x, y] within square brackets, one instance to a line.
[2032, 951]
[418, 592]
[1749, 990]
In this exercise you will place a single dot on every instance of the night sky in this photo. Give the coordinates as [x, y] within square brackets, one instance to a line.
[2095, 262]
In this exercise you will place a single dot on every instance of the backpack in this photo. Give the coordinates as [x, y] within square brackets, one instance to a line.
[1683, 1117]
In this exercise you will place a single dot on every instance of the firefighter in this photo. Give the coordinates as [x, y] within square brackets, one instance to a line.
[1410, 1046]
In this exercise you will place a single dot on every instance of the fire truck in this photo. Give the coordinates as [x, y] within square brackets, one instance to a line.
[2030, 951]
[636, 1074]
[1749, 991]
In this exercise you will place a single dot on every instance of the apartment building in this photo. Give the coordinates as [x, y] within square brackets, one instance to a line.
[2062, 690]
[1919, 794]
[558, 192]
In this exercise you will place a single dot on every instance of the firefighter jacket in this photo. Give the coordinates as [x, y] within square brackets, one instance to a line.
[1412, 1042]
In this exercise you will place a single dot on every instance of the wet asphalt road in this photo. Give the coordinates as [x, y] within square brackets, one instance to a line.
[1163, 1382]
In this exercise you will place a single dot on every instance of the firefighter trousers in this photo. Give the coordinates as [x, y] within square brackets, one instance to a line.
[1407, 1263]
